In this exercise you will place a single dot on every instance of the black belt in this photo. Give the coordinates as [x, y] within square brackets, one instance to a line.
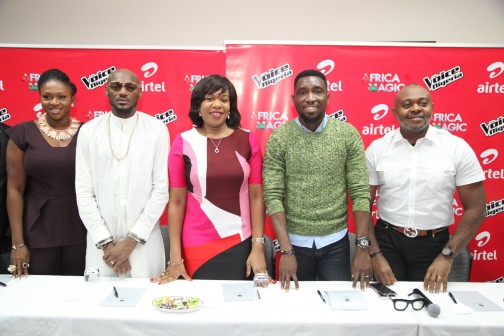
[412, 232]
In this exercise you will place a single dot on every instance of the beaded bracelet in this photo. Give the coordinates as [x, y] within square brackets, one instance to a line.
[375, 253]
[175, 264]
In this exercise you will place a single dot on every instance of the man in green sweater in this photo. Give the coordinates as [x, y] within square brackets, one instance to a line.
[311, 164]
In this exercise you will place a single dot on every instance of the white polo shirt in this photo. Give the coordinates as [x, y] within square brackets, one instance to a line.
[417, 183]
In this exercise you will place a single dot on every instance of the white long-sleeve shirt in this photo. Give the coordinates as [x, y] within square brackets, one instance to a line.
[120, 196]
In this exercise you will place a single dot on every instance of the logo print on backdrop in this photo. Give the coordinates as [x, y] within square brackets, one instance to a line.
[443, 78]
[379, 111]
[148, 66]
[95, 114]
[489, 156]
[4, 115]
[167, 117]
[338, 115]
[1, 85]
[493, 127]
[98, 78]
[270, 120]
[382, 82]
[193, 80]
[38, 109]
[483, 238]
[32, 80]
[272, 76]
[326, 67]
[495, 207]
[449, 121]
[149, 70]
[495, 70]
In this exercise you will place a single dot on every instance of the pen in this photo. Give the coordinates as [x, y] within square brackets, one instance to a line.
[3, 284]
[258, 294]
[321, 296]
[115, 292]
[452, 297]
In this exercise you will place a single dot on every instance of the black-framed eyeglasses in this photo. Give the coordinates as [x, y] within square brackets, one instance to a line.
[402, 304]
[117, 86]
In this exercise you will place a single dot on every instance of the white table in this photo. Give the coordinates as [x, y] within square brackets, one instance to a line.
[45, 305]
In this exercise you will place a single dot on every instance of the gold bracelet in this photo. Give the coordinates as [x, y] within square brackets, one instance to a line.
[258, 240]
[175, 264]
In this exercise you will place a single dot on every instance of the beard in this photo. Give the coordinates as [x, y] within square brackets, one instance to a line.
[313, 120]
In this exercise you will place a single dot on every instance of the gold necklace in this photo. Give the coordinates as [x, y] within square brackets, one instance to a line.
[60, 135]
[129, 141]
[216, 150]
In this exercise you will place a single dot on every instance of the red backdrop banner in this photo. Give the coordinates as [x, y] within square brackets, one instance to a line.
[466, 83]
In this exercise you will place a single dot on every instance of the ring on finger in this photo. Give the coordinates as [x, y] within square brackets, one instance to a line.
[12, 268]
[440, 278]
[366, 276]
[112, 262]
[163, 274]
[26, 265]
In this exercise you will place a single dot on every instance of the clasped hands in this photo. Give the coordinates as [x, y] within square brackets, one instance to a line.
[116, 255]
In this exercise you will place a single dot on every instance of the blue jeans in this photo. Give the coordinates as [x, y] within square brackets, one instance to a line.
[329, 263]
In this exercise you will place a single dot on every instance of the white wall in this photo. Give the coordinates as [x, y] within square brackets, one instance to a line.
[209, 23]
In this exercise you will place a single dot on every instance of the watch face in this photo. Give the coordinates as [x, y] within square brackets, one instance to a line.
[447, 252]
[363, 242]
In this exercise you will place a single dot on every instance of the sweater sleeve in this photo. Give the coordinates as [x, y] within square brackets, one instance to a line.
[356, 172]
[274, 174]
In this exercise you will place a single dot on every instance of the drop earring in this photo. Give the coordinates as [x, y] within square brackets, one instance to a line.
[229, 115]
[199, 113]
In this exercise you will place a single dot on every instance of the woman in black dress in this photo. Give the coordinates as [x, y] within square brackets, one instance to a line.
[48, 236]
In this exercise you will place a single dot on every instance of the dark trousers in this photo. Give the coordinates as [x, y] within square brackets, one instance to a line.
[61, 260]
[329, 263]
[409, 258]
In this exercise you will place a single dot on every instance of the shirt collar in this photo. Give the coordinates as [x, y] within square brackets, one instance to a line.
[431, 135]
[319, 129]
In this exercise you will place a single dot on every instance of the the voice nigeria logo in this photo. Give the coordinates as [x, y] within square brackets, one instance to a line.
[494, 70]
[482, 239]
[97, 79]
[493, 127]
[167, 117]
[379, 112]
[495, 207]
[326, 67]
[272, 76]
[4, 114]
[443, 78]
[382, 82]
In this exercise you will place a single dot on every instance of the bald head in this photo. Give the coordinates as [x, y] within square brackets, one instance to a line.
[411, 89]
[123, 74]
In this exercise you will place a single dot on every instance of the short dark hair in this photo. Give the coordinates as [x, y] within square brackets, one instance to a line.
[57, 75]
[309, 73]
[209, 85]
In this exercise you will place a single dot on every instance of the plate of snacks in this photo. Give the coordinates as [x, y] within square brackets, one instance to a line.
[177, 304]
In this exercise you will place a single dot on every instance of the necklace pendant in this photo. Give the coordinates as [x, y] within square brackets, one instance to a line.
[216, 150]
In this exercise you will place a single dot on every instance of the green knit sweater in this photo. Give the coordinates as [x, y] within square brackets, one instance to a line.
[307, 176]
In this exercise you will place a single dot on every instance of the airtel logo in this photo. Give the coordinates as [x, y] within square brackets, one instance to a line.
[482, 238]
[326, 66]
[495, 69]
[38, 109]
[147, 67]
[379, 111]
[489, 156]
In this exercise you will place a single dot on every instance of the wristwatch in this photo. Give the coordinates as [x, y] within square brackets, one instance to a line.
[447, 252]
[363, 242]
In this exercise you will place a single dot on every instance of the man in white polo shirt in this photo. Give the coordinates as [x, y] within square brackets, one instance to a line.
[416, 169]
